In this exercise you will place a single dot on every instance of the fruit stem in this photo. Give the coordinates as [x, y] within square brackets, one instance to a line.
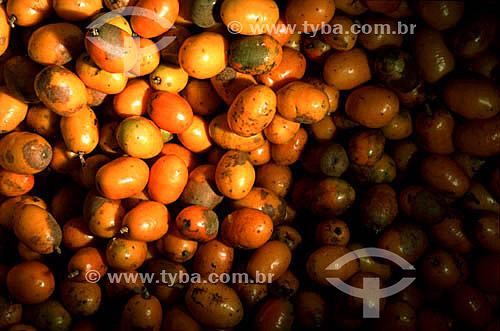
[145, 293]
[73, 274]
[94, 32]
[82, 159]
[156, 80]
[12, 20]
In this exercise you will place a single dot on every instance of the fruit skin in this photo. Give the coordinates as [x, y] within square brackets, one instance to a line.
[271, 259]
[305, 18]
[202, 300]
[149, 143]
[60, 90]
[67, 38]
[472, 98]
[9, 207]
[13, 111]
[372, 106]
[479, 138]
[76, 234]
[97, 79]
[80, 132]
[167, 179]
[366, 147]
[24, 153]
[406, 240]
[441, 15]
[332, 232]
[196, 137]
[229, 87]
[102, 215]
[251, 16]
[37, 229]
[275, 178]
[344, 40]
[487, 232]
[176, 247]
[142, 311]
[72, 11]
[323, 257]
[81, 299]
[43, 121]
[85, 260]
[189, 158]
[29, 13]
[10, 312]
[201, 189]
[396, 69]
[178, 318]
[13, 184]
[170, 111]
[133, 99]
[246, 228]
[475, 35]
[347, 70]
[49, 315]
[125, 254]
[148, 221]
[264, 200]
[30, 282]
[204, 55]
[332, 197]
[97, 44]
[444, 175]
[379, 207]
[289, 235]
[148, 58]
[311, 310]
[434, 131]
[471, 306]
[433, 57]
[302, 102]
[275, 314]
[288, 153]
[63, 160]
[4, 31]
[291, 68]
[374, 41]
[281, 130]
[147, 27]
[261, 155]
[213, 257]
[223, 136]
[202, 97]
[255, 55]
[198, 223]
[234, 175]
[168, 78]
[252, 110]
[122, 178]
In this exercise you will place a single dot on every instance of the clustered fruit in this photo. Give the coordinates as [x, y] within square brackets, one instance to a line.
[238, 137]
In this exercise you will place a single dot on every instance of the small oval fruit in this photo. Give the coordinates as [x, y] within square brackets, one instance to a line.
[235, 175]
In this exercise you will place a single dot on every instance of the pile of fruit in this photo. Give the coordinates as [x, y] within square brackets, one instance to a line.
[193, 138]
